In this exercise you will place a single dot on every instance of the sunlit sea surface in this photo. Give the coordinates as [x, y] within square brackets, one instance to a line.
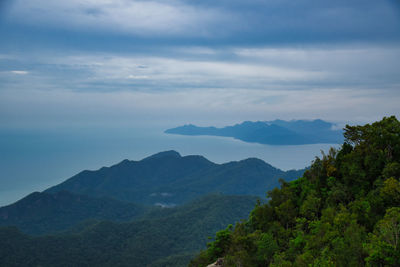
[34, 160]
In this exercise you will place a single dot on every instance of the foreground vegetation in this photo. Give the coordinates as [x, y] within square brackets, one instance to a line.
[344, 211]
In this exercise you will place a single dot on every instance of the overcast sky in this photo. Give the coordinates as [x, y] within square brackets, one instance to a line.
[124, 62]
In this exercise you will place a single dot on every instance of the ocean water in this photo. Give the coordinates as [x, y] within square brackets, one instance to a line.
[33, 160]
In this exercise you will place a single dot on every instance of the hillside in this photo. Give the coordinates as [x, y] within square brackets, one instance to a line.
[167, 238]
[169, 179]
[277, 132]
[344, 211]
[40, 213]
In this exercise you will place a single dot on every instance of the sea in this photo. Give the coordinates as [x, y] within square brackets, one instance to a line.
[33, 160]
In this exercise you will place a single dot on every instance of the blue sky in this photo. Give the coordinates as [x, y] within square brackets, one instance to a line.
[123, 62]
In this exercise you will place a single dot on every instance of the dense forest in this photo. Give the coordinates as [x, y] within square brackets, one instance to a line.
[45, 213]
[344, 211]
[162, 237]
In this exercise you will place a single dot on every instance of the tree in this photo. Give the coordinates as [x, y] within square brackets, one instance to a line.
[384, 242]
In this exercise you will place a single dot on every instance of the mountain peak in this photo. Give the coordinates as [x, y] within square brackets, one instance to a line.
[255, 160]
[164, 154]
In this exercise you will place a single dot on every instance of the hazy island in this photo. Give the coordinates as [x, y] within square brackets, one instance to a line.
[277, 132]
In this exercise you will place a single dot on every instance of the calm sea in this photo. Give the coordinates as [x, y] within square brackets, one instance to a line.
[34, 160]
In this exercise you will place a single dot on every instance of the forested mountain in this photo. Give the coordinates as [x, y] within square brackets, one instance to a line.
[40, 213]
[168, 237]
[277, 132]
[168, 179]
[344, 211]
[92, 220]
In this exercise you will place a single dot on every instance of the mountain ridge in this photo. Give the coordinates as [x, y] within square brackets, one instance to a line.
[167, 177]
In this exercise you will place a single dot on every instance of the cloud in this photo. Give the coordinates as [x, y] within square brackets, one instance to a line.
[360, 67]
[108, 72]
[19, 72]
[334, 83]
[138, 77]
[341, 84]
[124, 16]
[34, 108]
[218, 22]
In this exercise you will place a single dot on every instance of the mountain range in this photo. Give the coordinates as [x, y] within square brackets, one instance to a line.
[277, 132]
[168, 179]
[157, 211]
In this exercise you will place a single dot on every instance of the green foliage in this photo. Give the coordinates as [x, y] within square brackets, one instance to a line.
[384, 242]
[344, 211]
[44, 213]
[164, 237]
[221, 244]
[390, 191]
[266, 247]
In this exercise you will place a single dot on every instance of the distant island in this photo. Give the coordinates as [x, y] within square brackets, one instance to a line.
[277, 132]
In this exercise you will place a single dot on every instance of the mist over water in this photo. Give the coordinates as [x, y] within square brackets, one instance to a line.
[33, 160]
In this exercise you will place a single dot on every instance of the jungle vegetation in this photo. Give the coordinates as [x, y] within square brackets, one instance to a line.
[344, 211]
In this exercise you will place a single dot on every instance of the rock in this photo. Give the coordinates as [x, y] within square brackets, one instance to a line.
[219, 262]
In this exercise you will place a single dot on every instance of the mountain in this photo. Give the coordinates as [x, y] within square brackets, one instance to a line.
[168, 237]
[165, 179]
[277, 132]
[344, 211]
[40, 213]
[168, 179]
[91, 219]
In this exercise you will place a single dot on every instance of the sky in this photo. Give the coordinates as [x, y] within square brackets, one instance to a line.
[118, 63]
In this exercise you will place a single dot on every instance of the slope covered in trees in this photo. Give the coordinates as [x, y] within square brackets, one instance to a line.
[344, 211]
[166, 237]
[44, 213]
